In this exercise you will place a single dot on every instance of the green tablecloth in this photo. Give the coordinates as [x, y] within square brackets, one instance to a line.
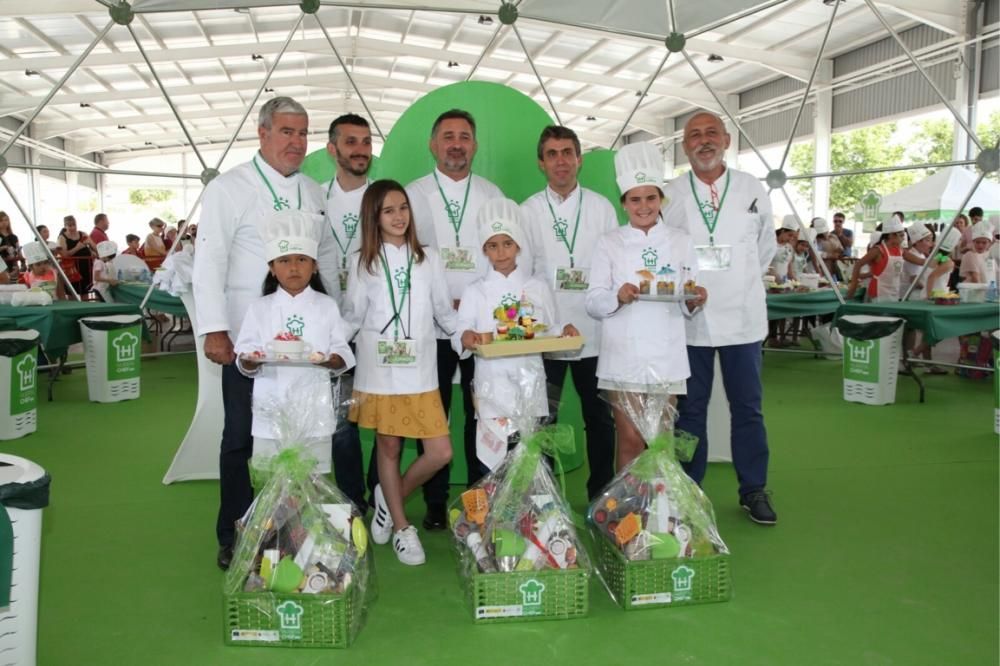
[938, 322]
[785, 306]
[57, 323]
[159, 301]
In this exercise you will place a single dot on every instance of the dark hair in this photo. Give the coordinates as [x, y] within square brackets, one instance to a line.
[271, 283]
[453, 114]
[131, 237]
[99, 217]
[900, 214]
[840, 215]
[558, 132]
[39, 227]
[371, 232]
[68, 219]
[975, 211]
[621, 199]
[346, 119]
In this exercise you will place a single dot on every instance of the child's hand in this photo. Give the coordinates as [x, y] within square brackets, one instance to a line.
[629, 293]
[471, 340]
[702, 298]
[569, 331]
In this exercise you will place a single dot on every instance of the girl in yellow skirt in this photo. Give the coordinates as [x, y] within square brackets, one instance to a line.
[396, 291]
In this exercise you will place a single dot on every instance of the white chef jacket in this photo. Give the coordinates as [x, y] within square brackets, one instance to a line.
[783, 256]
[343, 216]
[736, 311]
[642, 343]
[315, 318]
[597, 217]
[368, 310]
[498, 381]
[229, 266]
[434, 227]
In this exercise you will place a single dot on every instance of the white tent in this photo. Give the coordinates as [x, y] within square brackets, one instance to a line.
[938, 198]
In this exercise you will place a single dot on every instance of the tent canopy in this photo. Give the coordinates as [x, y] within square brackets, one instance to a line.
[938, 198]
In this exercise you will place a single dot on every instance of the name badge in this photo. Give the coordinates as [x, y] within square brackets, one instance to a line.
[391, 353]
[342, 279]
[571, 279]
[459, 259]
[714, 257]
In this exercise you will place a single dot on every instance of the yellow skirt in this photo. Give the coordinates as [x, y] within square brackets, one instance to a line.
[415, 415]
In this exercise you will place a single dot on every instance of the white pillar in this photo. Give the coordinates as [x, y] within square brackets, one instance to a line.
[967, 86]
[822, 130]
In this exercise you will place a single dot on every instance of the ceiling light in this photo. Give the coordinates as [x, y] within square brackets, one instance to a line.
[31, 72]
[256, 56]
[591, 118]
[121, 127]
[242, 10]
[452, 63]
[714, 57]
[84, 105]
[148, 143]
[485, 20]
[268, 90]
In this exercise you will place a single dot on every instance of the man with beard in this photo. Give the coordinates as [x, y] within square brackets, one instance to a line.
[350, 145]
[729, 217]
[445, 204]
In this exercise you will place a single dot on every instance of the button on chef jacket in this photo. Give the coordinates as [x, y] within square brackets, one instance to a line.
[367, 310]
[315, 318]
[498, 382]
[736, 311]
[342, 209]
[642, 343]
[596, 219]
[229, 266]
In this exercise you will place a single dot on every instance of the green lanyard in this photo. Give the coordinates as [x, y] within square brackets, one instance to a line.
[456, 220]
[560, 230]
[396, 320]
[709, 224]
[279, 203]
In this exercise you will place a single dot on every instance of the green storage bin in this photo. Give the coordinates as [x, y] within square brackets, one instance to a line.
[525, 596]
[292, 620]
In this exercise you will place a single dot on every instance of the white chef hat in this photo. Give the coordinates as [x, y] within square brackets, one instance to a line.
[638, 164]
[106, 249]
[789, 223]
[950, 240]
[982, 230]
[34, 253]
[874, 238]
[893, 225]
[917, 232]
[288, 231]
[820, 225]
[500, 216]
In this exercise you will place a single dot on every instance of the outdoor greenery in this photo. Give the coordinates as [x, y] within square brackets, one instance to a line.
[145, 197]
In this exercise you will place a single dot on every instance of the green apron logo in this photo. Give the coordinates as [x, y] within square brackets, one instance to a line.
[290, 614]
[123, 353]
[350, 224]
[650, 257]
[295, 325]
[531, 597]
[683, 577]
[861, 360]
[23, 387]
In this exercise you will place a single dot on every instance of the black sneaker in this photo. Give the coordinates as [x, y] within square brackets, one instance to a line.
[758, 505]
[225, 557]
[436, 518]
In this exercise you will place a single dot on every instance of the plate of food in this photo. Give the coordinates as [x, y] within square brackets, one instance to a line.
[660, 287]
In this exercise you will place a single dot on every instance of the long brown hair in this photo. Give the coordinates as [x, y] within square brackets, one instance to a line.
[371, 233]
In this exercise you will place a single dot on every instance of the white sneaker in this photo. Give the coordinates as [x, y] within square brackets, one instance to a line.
[381, 520]
[407, 546]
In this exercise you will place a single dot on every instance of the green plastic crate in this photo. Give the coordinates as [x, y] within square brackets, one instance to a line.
[526, 596]
[657, 583]
[291, 620]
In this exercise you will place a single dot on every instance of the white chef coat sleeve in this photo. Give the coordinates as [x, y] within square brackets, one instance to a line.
[219, 215]
[465, 320]
[250, 339]
[421, 216]
[767, 242]
[602, 296]
[444, 312]
[338, 337]
[356, 299]
[327, 260]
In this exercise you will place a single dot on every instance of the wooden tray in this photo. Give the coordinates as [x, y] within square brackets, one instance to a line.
[533, 346]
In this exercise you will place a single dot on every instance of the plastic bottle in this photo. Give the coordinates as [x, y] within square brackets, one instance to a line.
[991, 292]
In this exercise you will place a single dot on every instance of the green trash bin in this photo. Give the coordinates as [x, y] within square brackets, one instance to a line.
[112, 347]
[18, 383]
[872, 350]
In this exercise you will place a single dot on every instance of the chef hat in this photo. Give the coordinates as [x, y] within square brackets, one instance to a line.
[874, 238]
[34, 253]
[950, 240]
[789, 223]
[638, 164]
[820, 225]
[892, 226]
[917, 232]
[982, 230]
[107, 249]
[500, 216]
[288, 231]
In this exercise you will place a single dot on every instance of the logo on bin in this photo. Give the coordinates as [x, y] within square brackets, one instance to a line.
[123, 354]
[23, 393]
[861, 360]
[531, 596]
[683, 578]
[290, 614]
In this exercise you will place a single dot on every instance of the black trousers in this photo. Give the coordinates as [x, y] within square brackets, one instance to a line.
[598, 424]
[235, 491]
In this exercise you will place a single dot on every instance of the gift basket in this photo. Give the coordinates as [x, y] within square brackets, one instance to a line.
[519, 556]
[302, 574]
[653, 528]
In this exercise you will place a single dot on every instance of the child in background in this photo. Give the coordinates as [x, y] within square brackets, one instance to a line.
[41, 274]
[804, 261]
[886, 261]
[294, 305]
[498, 381]
[782, 267]
[133, 245]
[104, 270]
[643, 343]
[921, 239]
[396, 290]
[974, 262]
[828, 246]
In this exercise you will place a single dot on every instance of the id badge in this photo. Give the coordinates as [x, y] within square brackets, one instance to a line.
[714, 257]
[342, 279]
[571, 279]
[391, 353]
[459, 259]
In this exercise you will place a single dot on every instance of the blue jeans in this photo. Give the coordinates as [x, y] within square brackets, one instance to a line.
[741, 378]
